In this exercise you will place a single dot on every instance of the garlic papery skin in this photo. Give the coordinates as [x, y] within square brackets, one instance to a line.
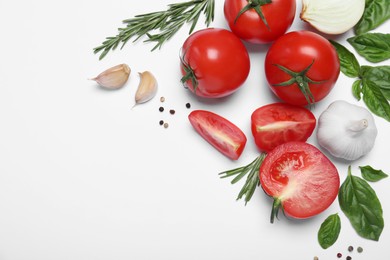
[147, 87]
[113, 78]
[346, 131]
[332, 16]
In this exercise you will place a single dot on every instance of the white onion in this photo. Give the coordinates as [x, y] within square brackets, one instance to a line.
[332, 16]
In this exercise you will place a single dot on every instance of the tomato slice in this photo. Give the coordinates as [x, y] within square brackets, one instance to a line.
[300, 178]
[278, 123]
[225, 136]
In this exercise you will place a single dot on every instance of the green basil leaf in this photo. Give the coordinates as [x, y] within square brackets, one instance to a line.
[375, 100]
[374, 47]
[380, 75]
[363, 70]
[329, 231]
[375, 13]
[349, 65]
[362, 207]
[370, 174]
[357, 89]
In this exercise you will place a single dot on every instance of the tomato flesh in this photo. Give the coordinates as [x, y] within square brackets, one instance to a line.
[218, 61]
[278, 123]
[301, 178]
[225, 136]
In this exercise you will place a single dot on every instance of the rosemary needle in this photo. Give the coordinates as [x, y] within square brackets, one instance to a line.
[159, 26]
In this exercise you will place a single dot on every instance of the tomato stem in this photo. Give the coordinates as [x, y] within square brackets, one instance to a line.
[256, 5]
[252, 180]
[302, 81]
[275, 209]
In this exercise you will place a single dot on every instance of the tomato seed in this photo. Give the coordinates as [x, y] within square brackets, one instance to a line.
[360, 249]
[161, 109]
[339, 255]
[188, 105]
[172, 111]
[350, 248]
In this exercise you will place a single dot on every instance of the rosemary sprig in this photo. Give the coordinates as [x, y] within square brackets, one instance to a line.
[252, 179]
[159, 26]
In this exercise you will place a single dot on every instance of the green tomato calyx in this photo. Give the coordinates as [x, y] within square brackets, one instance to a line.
[302, 81]
[256, 5]
[189, 74]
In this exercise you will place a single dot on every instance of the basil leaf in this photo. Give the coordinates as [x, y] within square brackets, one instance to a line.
[380, 75]
[370, 174]
[374, 47]
[375, 100]
[349, 65]
[362, 207]
[356, 89]
[329, 231]
[375, 13]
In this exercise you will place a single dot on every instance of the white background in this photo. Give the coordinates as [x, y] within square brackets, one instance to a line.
[84, 176]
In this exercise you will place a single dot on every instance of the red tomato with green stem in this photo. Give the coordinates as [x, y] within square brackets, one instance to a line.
[214, 63]
[300, 178]
[259, 21]
[279, 123]
[301, 67]
[222, 134]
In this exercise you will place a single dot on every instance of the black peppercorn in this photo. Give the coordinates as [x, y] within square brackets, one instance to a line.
[350, 248]
[161, 109]
[188, 105]
[172, 111]
[339, 255]
[161, 122]
[349, 258]
[360, 249]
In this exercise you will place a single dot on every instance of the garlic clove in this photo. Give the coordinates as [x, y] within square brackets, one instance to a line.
[346, 131]
[332, 16]
[113, 78]
[147, 87]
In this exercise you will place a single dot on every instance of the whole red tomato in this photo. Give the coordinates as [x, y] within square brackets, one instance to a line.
[259, 21]
[214, 63]
[301, 67]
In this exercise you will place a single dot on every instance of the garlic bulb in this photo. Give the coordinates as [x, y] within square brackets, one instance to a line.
[347, 131]
[332, 16]
[113, 78]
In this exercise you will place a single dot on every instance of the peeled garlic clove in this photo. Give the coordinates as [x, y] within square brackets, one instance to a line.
[347, 131]
[147, 87]
[115, 77]
[332, 16]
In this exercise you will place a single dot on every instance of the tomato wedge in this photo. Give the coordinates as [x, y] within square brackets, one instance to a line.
[278, 123]
[225, 136]
[300, 178]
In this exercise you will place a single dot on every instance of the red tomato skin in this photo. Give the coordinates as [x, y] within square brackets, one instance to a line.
[296, 51]
[316, 183]
[222, 134]
[296, 124]
[279, 15]
[219, 60]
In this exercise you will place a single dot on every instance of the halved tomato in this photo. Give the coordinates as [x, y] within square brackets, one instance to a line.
[225, 136]
[278, 123]
[300, 178]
